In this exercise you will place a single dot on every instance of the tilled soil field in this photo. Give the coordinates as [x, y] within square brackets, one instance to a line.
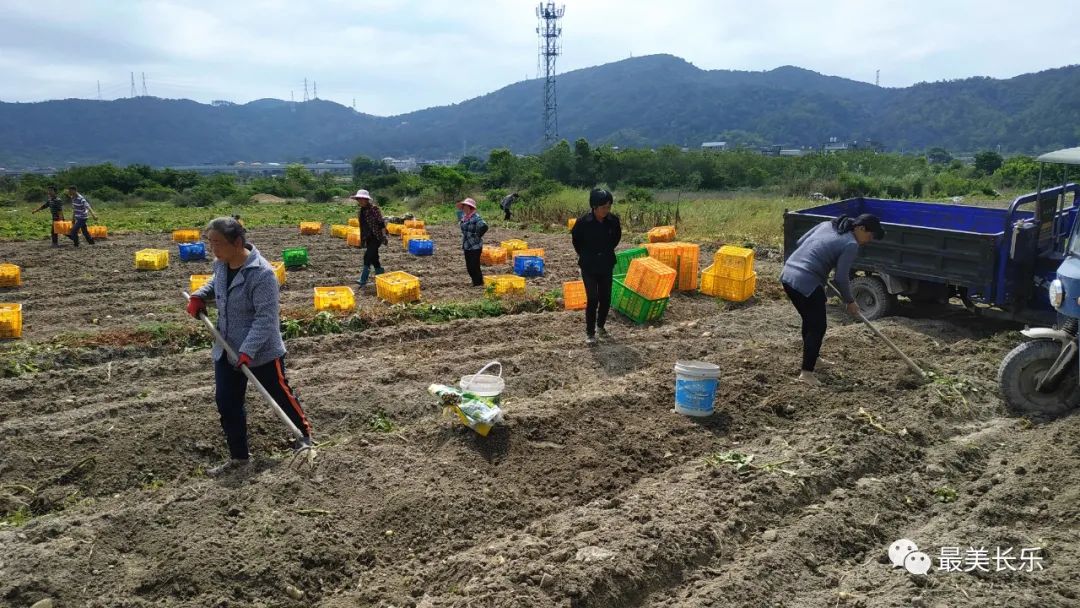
[593, 492]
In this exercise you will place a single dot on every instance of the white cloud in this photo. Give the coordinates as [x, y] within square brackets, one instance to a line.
[395, 56]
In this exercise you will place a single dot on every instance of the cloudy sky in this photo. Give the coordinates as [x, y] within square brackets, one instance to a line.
[395, 56]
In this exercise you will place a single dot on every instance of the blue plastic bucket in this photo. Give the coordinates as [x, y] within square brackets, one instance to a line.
[695, 387]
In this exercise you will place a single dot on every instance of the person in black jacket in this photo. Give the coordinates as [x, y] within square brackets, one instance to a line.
[596, 235]
[55, 205]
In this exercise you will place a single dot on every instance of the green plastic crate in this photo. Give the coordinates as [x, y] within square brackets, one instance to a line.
[634, 306]
[294, 257]
[622, 259]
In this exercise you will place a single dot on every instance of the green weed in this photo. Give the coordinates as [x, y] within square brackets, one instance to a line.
[381, 423]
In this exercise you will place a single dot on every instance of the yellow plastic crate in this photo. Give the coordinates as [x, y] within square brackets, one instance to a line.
[339, 231]
[354, 222]
[506, 284]
[662, 234]
[733, 262]
[10, 275]
[310, 227]
[395, 287]
[570, 223]
[650, 278]
[334, 298]
[533, 252]
[414, 223]
[198, 280]
[689, 260]
[279, 271]
[352, 239]
[10, 320]
[574, 297]
[491, 255]
[668, 253]
[151, 259]
[98, 232]
[514, 244]
[61, 227]
[395, 229]
[185, 236]
[735, 290]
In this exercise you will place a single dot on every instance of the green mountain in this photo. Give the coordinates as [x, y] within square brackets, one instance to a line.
[644, 101]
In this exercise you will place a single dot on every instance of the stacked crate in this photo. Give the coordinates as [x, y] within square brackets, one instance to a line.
[689, 255]
[185, 236]
[662, 234]
[339, 231]
[354, 222]
[190, 252]
[352, 237]
[643, 293]
[731, 275]
[514, 244]
[310, 227]
[668, 253]
[279, 271]
[395, 229]
[574, 297]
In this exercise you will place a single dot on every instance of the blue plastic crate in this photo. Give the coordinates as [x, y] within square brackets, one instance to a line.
[529, 266]
[421, 247]
[192, 251]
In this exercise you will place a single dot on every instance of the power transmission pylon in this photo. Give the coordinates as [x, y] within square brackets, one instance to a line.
[144, 85]
[132, 85]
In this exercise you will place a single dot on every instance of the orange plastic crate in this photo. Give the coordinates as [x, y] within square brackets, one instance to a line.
[735, 290]
[353, 237]
[334, 298]
[339, 231]
[61, 227]
[279, 271]
[414, 223]
[185, 236]
[570, 223]
[10, 275]
[514, 244]
[539, 253]
[151, 259]
[10, 320]
[668, 253]
[689, 256]
[573, 293]
[98, 232]
[354, 222]
[395, 229]
[310, 227]
[650, 278]
[198, 280]
[490, 255]
[662, 234]
[395, 287]
[734, 262]
[506, 284]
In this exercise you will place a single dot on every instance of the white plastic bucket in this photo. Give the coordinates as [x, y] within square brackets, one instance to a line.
[488, 386]
[695, 387]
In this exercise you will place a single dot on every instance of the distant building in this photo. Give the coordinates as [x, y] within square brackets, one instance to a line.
[793, 152]
[714, 146]
[401, 165]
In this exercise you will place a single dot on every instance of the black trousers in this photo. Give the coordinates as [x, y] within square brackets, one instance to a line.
[472, 264]
[230, 389]
[597, 299]
[56, 218]
[812, 310]
[506, 213]
[371, 254]
[80, 224]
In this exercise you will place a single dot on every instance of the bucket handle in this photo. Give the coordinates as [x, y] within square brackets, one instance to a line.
[482, 370]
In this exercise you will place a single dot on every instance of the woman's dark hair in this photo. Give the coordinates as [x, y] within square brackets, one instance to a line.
[599, 197]
[228, 227]
[843, 223]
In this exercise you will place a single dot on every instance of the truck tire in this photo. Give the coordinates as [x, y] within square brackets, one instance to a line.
[873, 297]
[1021, 370]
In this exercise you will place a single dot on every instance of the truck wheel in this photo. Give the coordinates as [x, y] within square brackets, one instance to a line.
[873, 297]
[1021, 370]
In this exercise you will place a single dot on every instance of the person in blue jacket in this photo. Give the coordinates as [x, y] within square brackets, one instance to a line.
[829, 246]
[245, 290]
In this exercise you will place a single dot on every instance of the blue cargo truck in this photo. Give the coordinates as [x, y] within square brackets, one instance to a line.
[1021, 262]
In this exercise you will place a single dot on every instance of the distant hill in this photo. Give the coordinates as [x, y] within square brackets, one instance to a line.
[644, 101]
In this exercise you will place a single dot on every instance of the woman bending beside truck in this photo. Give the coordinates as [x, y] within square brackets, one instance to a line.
[829, 246]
